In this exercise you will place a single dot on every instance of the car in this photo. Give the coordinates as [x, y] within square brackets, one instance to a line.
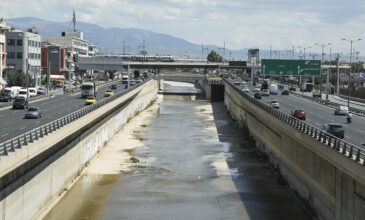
[113, 87]
[335, 129]
[274, 104]
[299, 114]
[108, 93]
[132, 82]
[292, 88]
[265, 92]
[139, 80]
[245, 89]
[257, 89]
[90, 100]
[23, 93]
[341, 110]
[257, 95]
[316, 94]
[33, 112]
[20, 102]
[41, 91]
[32, 91]
[285, 92]
[5, 98]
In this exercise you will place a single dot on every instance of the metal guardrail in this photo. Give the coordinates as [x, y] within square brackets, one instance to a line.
[42, 131]
[345, 148]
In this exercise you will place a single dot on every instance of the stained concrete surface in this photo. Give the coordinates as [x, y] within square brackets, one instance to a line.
[190, 162]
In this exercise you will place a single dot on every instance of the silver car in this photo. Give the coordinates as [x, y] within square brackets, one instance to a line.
[341, 110]
[33, 112]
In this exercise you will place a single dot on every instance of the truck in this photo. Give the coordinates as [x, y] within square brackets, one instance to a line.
[264, 85]
[11, 92]
[273, 89]
[88, 89]
[125, 79]
[306, 87]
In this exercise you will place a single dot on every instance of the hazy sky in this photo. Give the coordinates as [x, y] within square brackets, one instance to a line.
[240, 23]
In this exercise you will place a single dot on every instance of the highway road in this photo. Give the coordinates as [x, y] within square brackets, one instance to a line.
[318, 115]
[13, 122]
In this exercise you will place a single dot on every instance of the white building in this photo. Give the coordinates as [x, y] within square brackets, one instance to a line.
[24, 53]
[2, 52]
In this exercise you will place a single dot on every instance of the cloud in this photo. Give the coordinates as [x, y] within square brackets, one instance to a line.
[240, 23]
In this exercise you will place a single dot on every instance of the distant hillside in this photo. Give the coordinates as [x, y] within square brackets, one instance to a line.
[111, 39]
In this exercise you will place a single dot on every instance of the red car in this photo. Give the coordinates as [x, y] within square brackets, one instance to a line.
[300, 114]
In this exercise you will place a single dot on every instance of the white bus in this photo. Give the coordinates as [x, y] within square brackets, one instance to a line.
[88, 89]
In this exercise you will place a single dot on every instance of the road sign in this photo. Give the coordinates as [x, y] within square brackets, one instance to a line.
[290, 67]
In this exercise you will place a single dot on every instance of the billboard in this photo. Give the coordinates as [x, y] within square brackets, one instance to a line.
[274, 67]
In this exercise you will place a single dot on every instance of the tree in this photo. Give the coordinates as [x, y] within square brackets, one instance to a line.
[214, 57]
[19, 79]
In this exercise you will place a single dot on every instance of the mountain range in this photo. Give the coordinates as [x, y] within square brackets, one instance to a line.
[111, 40]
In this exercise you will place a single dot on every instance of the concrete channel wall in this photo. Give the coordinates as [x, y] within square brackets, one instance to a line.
[76, 143]
[327, 181]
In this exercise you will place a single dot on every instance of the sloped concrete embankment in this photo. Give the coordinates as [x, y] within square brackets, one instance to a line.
[56, 161]
[327, 181]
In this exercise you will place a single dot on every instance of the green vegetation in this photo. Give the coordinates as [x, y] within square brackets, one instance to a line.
[214, 57]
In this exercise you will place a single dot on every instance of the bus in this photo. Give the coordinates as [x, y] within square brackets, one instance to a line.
[88, 89]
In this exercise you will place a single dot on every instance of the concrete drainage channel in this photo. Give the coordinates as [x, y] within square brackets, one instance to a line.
[58, 159]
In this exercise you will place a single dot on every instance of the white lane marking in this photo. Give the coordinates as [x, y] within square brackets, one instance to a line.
[347, 137]
[3, 135]
[22, 128]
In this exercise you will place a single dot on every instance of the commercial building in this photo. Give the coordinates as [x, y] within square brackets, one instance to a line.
[24, 53]
[75, 44]
[54, 57]
[2, 52]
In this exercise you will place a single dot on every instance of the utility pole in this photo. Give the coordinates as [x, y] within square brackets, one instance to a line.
[338, 73]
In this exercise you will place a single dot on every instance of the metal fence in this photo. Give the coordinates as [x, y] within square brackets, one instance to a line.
[347, 149]
[38, 133]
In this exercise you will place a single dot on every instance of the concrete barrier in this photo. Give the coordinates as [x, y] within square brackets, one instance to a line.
[326, 180]
[33, 177]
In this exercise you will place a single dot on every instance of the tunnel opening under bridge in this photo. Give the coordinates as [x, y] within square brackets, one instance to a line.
[217, 93]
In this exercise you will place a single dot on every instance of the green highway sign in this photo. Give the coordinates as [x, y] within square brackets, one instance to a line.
[290, 67]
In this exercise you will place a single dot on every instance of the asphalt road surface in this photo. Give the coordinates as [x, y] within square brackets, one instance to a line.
[318, 115]
[13, 123]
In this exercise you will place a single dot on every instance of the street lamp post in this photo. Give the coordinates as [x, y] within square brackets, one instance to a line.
[322, 45]
[348, 86]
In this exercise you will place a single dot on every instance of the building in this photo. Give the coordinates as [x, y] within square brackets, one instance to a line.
[93, 51]
[2, 53]
[75, 45]
[55, 57]
[24, 53]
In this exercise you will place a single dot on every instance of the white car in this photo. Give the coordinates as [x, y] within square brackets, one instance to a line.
[245, 89]
[274, 104]
[265, 92]
[341, 110]
[257, 89]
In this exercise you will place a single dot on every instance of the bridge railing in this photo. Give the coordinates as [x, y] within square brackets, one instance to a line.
[38, 133]
[343, 147]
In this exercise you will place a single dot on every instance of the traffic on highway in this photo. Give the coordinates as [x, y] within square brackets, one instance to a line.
[24, 116]
[332, 120]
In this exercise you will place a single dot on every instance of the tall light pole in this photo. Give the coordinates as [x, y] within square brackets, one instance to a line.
[304, 48]
[322, 45]
[348, 86]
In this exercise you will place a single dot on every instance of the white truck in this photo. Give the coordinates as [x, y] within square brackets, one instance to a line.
[12, 91]
[273, 89]
[125, 79]
[88, 89]
[23, 93]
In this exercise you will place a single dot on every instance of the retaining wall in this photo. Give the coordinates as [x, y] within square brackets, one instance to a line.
[331, 183]
[73, 147]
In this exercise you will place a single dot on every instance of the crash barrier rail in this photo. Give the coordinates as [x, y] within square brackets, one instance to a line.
[42, 131]
[345, 148]
[352, 110]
